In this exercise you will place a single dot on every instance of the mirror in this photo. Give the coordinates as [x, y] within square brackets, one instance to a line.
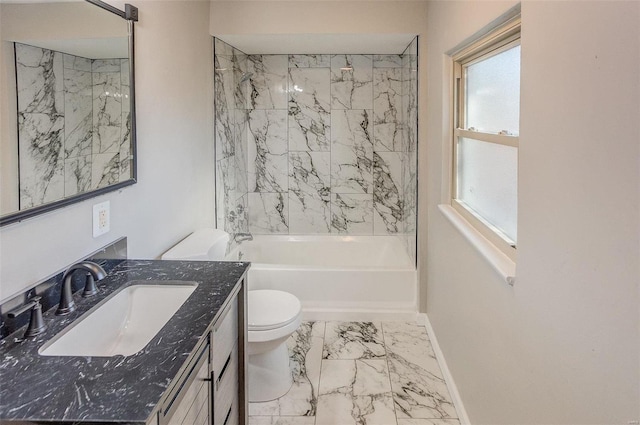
[67, 127]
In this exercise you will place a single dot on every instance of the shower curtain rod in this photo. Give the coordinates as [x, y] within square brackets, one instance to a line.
[130, 12]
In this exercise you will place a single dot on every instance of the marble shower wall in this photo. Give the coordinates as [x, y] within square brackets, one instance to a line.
[73, 125]
[231, 127]
[410, 148]
[326, 143]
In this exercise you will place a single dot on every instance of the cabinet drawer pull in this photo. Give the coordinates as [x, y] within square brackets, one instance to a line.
[224, 369]
[226, 419]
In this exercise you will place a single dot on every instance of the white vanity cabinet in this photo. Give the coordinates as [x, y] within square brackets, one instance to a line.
[211, 389]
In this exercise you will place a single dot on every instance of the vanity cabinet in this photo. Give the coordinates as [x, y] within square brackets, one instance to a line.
[188, 402]
[211, 390]
[192, 372]
[224, 355]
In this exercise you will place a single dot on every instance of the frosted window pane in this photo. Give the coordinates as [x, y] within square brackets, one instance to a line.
[493, 93]
[488, 182]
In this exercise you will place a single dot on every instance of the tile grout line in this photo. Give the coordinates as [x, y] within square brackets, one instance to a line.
[386, 351]
[324, 334]
[288, 147]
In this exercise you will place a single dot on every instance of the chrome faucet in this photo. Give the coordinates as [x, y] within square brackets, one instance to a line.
[241, 237]
[67, 305]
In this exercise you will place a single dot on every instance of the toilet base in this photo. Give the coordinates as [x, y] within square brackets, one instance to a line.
[269, 374]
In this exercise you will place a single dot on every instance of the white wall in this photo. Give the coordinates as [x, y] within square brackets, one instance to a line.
[175, 188]
[563, 345]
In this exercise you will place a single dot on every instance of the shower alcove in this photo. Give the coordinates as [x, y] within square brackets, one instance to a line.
[321, 141]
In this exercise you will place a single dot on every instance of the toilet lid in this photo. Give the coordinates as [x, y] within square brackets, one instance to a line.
[269, 309]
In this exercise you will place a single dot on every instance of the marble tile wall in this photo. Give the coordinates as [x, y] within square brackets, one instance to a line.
[328, 148]
[231, 135]
[410, 148]
[73, 124]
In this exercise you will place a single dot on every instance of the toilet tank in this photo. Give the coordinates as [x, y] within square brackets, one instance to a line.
[202, 245]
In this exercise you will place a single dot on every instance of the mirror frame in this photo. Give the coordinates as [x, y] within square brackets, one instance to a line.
[130, 14]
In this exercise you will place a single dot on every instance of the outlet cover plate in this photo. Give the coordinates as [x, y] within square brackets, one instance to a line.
[101, 218]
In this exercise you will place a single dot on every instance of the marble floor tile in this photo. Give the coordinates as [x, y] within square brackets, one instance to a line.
[355, 392]
[282, 420]
[428, 422]
[305, 355]
[416, 378]
[417, 392]
[355, 377]
[361, 373]
[336, 409]
[410, 341]
[353, 340]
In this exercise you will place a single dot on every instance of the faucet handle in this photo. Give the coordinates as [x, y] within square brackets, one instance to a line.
[67, 305]
[36, 323]
[90, 288]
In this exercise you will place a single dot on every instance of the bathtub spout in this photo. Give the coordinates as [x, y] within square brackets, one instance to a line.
[241, 237]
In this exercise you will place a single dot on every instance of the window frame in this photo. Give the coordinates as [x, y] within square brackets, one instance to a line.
[497, 41]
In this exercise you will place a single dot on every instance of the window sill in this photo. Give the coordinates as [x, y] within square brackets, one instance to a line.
[502, 264]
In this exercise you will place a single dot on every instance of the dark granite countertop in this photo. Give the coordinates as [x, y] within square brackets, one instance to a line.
[35, 388]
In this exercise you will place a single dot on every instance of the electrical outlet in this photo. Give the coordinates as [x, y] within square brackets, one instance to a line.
[101, 222]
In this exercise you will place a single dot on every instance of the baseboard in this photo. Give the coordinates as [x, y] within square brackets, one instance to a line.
[423, 319]
[358, 315]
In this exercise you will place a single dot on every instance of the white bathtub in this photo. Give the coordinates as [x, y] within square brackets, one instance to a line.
[336, 277]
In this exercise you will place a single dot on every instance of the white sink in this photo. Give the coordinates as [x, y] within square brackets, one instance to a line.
[123, 323]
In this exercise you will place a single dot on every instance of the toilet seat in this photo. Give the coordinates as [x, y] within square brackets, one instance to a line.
[272, 314]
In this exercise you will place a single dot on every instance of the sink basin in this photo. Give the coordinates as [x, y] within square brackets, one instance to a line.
[122, 323]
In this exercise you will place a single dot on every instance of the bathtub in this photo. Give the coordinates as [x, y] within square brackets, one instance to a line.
[335, 277]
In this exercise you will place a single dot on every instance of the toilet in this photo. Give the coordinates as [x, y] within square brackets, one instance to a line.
[272, 317]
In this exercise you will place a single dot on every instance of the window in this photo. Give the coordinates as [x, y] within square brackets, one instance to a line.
[486, 124]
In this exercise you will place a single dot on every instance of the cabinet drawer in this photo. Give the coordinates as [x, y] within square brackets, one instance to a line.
[231, 415]
[190, 398]
[194, 405]
[225, 391]
[224, 337]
